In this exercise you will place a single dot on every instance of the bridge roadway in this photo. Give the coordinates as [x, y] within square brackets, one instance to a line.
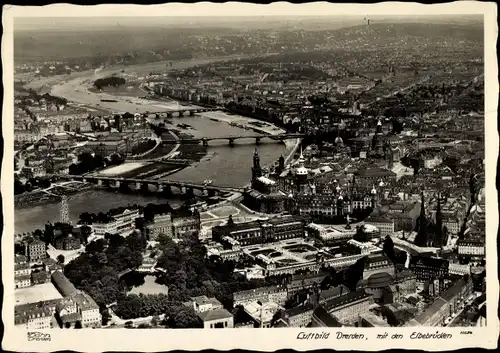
[231, 139]
[179, 111]
[160, 184]
[179, 162]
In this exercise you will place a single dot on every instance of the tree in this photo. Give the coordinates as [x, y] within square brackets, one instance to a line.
[155, 321]
[179, 316]
[85, 232]
[278, 315]
[60, 258]
[95, 246]
[361, 235]
[106, 316]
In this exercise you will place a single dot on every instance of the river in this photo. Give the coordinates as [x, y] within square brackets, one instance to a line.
[225, 165]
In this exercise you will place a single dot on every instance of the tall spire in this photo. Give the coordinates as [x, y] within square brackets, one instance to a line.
[439, 222]
[256, 169]
[422, 204]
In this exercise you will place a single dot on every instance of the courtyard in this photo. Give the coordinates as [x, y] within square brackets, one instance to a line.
[36, 293]
[285, 252]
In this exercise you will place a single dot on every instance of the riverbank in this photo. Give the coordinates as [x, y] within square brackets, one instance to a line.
[244, 122]
[139, 69]
[51, 195]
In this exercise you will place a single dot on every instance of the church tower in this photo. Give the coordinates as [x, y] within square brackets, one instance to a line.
[421, 238]
[256, 169]
[281, 163]
[390, 158]
[438, 241]
[301, 172]
[378, 140]
[374, 197]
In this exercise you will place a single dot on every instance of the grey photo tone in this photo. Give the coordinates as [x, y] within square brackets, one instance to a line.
[249, 172]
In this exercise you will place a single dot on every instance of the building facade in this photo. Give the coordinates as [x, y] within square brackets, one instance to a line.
[35, 251]
[260, 232]
[162, 224]
[117, 224]
[347, 308]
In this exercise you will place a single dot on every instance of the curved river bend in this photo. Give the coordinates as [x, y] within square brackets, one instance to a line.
[225, 165]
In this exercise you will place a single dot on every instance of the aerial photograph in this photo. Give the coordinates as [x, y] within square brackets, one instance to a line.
[249, 172]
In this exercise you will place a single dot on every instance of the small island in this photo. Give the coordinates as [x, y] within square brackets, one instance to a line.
[112, 81]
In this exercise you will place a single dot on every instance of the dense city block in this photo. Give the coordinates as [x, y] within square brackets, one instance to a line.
[316, 174]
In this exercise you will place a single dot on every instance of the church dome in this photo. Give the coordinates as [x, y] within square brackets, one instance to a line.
[381, 184]
[341, 198]
[301, 170]
[339, 140]
[374, 191]
[337, 188]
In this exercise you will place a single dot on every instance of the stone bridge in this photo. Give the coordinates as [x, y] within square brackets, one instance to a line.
[231, 139]
[161, 185]
[179, 112]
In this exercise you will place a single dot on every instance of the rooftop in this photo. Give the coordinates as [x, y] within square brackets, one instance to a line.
[216, 314]
[333, 292]
[298, 310]
[62, 283]
[348, 298]
[36, 293]
[85, 302]
[325, 318]
[204, 300]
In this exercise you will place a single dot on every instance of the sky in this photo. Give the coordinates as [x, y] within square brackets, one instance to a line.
[62, 16]
[82, 23]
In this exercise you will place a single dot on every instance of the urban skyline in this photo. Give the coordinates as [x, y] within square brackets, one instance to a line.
[313, 172]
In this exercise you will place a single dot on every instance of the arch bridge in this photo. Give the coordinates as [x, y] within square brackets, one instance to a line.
[161, 185]
[231, 139]
[178, 112]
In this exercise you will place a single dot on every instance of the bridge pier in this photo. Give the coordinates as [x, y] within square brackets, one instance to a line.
[212, 193]
[231, 142]
[257, 140]
[144, 187]
[124, 187]
[170, 115]
[99, 182]
[205, 142]
[190, 192]
[117, 184]
[192, 113]
[160, 188]
[167, 189]
[183, 189]
[138, 186]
